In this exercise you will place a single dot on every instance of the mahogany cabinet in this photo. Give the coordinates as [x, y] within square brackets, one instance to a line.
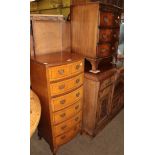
[95, 31]
[57, 79]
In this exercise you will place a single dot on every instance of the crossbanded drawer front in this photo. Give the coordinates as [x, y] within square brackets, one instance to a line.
[67, 125]
[64, 71]
[108, 35]
[59, 103]
[66, 85]
[58, 72]
[67, 113]
[77, 67]
[106, 19]
[66, 137]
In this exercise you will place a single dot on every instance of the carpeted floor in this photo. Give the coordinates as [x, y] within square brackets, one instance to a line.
[110, 141]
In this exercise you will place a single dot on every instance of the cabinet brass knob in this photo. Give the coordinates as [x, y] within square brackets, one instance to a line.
[76, 107]
[77, 66]
[77, 80]
[77, 94]
[63, 115]
[63, 137]
[76, 119]
[62, 86]
[63, 127]
[61, 71]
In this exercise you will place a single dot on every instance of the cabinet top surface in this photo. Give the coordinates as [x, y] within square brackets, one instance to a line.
[56, 59]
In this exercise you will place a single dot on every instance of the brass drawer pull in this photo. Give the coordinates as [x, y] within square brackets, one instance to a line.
[104, 36]
[77, 80]
[76, 107]
[61, 71]
[77, 66]
[113, 48]
[62, 86]
[76, 119]
[103, 50]
[63, 127]
[62, 101]
[77, 94]
[63, 115]
[106, 19]
[63, 137]
[115, 35]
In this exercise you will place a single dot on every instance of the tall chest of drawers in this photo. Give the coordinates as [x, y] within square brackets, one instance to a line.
[58, 81]
[95, 26]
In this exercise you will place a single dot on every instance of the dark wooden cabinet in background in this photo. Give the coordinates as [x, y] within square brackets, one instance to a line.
[95, 31]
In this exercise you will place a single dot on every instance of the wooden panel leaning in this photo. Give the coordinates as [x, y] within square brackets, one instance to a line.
[61, 108]
[51, 33]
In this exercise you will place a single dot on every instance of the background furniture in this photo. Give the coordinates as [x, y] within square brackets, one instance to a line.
[35, 112]
[49, 34]
[95, 27]
[57, 79]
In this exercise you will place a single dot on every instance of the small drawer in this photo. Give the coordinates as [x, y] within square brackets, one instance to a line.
[77, 67]
[59, 72]
[106, 19]
[66, 137]
[64, 101]
[105, 50]
[105, 35]
[66, 85]
[107, 82]
[67, 113]
[67, 125]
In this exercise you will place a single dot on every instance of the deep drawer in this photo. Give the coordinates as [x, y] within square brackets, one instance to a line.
[64, 101]
[66, 85]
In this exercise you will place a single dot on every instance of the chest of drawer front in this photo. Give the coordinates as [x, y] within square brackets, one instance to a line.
[64, 71]
[105, 50]
[107, 82]
[67, 125]
[64, 101]
[66, 85]
[64, 138]
[108, 35]
[67, 113]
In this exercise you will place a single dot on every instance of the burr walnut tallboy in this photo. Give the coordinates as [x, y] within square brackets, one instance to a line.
[57, 79]
[95, 31]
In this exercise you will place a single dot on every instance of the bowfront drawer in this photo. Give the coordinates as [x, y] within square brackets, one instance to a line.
[66, 85]
[59, 72]
[64, 71]
[67, 136]
[77, 67]
[67, 113]
[64, 101]
[67, 125]
[107, 35]
[106, 19]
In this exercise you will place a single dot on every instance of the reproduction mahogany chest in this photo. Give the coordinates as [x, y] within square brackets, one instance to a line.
[95, 31]
[57, 79]
[102, 100]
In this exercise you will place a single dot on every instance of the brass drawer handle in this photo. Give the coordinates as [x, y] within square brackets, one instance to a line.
[103, 50]
[63, 127]
[77, 94]
[61, 71]
[63, 137]
[115, 35]
[77, 80]
[104, 36]
[106, 19]
[77, 66]
[76, 119]
[113, 48]
[62, 101]
[63, 115]
[76, 107]
[62, 86]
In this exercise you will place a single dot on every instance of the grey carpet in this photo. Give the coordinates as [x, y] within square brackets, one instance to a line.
[110, 141]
